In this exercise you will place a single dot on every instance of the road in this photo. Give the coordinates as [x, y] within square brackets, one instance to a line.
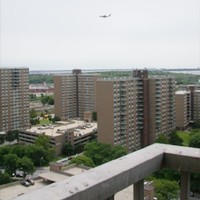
[40, 170]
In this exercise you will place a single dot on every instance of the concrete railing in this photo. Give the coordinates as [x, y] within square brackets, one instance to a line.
[104, 181]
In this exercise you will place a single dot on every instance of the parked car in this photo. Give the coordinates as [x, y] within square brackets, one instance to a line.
[31, 181]
[19, 174]
[25, 183]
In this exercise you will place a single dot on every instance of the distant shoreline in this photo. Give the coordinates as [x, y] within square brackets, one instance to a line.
[195, 71]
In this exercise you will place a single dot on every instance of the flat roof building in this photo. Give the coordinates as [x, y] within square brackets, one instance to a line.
[74, 132]
[14, 98]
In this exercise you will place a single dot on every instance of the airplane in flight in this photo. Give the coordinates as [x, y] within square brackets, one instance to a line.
[105, 16]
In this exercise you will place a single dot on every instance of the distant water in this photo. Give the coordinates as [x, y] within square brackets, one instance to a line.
[194, 72]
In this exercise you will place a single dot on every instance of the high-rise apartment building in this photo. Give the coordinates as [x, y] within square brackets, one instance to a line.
[196, 108]
[182, 109]
[117, 113]
[14, 98]
[193, 105]
[134, 112]
[74, 94]
[161, 107]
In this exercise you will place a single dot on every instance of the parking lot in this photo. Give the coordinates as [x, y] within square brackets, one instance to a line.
[8, 193]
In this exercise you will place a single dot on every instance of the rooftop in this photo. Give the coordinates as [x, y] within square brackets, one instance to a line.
[80, 127]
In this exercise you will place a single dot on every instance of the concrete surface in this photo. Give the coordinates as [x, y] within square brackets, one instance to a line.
[104, 181]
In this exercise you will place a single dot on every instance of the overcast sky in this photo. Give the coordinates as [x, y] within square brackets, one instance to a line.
[67, 34]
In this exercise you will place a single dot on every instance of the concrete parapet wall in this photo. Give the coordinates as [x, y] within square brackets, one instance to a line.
[104, 181]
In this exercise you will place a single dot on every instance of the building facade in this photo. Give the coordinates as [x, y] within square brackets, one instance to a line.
[192, 110]
[14, 98]
[118, 120]
[161, 107]
[75, 133]
[134, 112]
[74, 94]
[182, 109]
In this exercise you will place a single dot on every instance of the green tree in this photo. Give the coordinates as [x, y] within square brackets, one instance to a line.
[168, 174]
[40, 78]
[162, 139]
[43, 100]
[26, 165]
[51, 100]
[166, 189]
[56, 119]
[103, 152]
[79, 148]
[117, 151]
[196, 124]
[43, 140]
[50, 118]
[82, 159]
[4, 150]
[36, 154]
[67, 149]
[11, 163]
[194, 182]
[11, 136]
[2, 139]
[4, 178]
[33, 113]
[34, 121]
[195, 178]
[32, 97]
[39, 155]
[19, 150]
[175, 139]
[195, 140]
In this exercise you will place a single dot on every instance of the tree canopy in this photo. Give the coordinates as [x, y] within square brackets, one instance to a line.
[166, 189]
[46, 99]
[26, 165]
[43, 140]
[175, 139]
[162, 139]
[67, 149]
[195, 140]
[102, 153]
[11, 162]
[82, 159]
[4, 178]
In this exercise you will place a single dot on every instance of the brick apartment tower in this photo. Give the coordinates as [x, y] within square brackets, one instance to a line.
[74, 94]
[183, 109]
[14, 98]
[118, 121]
[195, 102]
[134, 112]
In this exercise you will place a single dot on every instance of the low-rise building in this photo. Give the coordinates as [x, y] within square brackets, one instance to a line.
[74, 132]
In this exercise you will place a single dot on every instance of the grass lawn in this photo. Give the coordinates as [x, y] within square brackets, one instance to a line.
[45, 121]
[185, 136]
